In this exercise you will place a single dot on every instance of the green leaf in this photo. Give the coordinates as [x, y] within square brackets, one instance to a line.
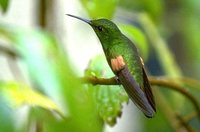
[136, 36]
[100, 8]
[20, 94]
[4, 5]
[108, 99]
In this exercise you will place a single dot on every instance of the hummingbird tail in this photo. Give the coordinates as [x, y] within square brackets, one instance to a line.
[135, 92]
[147, 90]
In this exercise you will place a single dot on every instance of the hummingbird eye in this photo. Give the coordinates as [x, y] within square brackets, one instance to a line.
[100, 28]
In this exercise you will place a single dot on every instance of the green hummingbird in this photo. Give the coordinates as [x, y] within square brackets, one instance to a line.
[125, 62]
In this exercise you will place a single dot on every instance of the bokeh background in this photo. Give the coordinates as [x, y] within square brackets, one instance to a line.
[43, 52]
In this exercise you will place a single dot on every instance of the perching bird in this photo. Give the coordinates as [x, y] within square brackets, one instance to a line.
[124, 60]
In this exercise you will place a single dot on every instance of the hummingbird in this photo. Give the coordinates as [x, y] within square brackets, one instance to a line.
[125, 62]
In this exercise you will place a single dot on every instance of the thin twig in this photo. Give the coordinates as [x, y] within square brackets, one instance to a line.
[185, 124]
[42, 14]
[38, 126]
[190, 116]
[191, 82]
[8, 51]
[168, 112]
[12, 57]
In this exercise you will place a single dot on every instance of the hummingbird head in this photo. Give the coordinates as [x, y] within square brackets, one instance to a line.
[105, 29]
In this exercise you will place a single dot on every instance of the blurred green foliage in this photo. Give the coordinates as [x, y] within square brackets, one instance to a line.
[54, 87]
[4, 5]
[19, 95]
[154, 8]
[51, 73]
[100, 8]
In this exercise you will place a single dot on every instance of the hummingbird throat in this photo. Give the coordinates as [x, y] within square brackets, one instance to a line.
[117, 63]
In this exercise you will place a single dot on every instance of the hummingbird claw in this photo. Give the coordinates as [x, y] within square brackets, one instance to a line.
[117, 80]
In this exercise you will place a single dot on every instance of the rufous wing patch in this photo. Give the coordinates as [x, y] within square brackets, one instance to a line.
[117, 63]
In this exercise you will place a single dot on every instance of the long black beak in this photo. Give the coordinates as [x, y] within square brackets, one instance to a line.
[82, 19]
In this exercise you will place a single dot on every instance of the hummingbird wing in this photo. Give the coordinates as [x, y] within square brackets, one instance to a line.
[140, 95]
[147, 90]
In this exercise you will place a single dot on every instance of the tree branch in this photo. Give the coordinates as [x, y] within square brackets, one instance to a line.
[100, 81]
[172, 85]
[190, 116]
[185, 124]
[155, 81]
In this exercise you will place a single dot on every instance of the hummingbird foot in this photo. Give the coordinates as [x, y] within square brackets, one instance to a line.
[117, 80]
